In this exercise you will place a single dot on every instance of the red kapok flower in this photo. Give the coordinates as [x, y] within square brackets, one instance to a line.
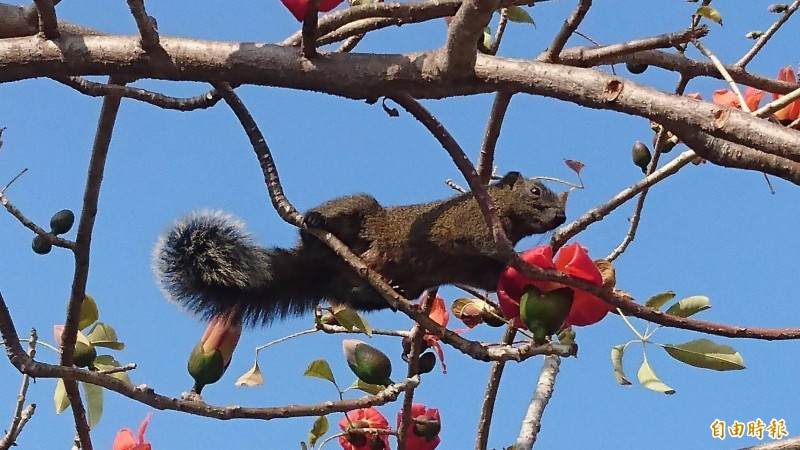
[792, 111]
[439, 315]
[363, 418]
[725, 97]
[125, 439]
[572, 260]
[298, 8]
[423, 433]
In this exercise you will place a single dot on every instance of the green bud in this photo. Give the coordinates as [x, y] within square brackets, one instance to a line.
[641, 156]
[84, 355]
[427, 361]
[544, 313]
[636, 68]
[62, 221]
[205, 367]
[41, 244]
[368, 363]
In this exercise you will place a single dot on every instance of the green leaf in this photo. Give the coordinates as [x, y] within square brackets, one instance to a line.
[706, 354]
[649, 379]
[371, 389]
[319, 428]
[94, 403]
[106, 362]
[519, 15]
[89, 312]
[617, 352]
[252, 377]
[352, 320]
[60, 397]
[659, 300]
[102, 335]
[320, 369]
[709, 13]
[689, 306]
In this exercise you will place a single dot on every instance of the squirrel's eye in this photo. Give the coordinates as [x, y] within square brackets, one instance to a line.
[536, 191]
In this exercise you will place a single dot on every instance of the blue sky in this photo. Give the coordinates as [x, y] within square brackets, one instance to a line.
[708, 230]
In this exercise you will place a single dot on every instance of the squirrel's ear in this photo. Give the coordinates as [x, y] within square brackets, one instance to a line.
[509, 179]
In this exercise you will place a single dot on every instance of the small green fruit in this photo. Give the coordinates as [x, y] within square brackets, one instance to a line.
[636, 68]
[41, 244]
[84, 354]
[62, 221]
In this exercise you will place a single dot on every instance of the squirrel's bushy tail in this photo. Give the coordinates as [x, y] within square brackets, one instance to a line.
[210, 264]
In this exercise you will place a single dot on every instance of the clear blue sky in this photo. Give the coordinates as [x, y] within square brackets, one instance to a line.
[706, 231]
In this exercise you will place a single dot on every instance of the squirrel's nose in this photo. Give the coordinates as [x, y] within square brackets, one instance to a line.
[561, 217]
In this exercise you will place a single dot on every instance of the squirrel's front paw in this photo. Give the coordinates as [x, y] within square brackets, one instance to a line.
[313, 219]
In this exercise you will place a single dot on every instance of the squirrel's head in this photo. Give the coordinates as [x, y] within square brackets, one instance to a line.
[528, 205]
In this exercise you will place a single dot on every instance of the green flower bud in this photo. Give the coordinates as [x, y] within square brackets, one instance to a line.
[62, 221]
[368, 363]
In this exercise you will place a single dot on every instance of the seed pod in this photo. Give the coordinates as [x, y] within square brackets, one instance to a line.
[636, 68]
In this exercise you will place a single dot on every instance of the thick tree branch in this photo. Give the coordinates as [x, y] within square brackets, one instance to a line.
[415, 74]
[492, 134]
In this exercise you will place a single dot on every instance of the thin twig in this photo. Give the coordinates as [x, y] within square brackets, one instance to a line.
[92, 89]
[762, 41]
[777, 105]
[351, 42]
[637, 212]
[27, 223]
[455, 186]
[544, 391]
[417, 334]
[722, 71]
[146, 25]
[48, 23]
[492, 134]
[308, 46]
[8, 185]
[500, 32]
[569, 27]
[125, 368]
[490, 397]
[596, 214]
[22, 414]
[587, 57]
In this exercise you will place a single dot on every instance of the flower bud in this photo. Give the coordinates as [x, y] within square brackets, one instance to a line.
[368, 363]
[212, 355]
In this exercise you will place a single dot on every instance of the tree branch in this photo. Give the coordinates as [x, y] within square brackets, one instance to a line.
[48, 23]
[457, 58]
[489, 398]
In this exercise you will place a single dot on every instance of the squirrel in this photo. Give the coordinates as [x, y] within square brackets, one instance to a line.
[211, 265]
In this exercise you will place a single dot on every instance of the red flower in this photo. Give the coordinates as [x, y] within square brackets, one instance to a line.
[364, 418]
[439, 315]
[572, 260]
[791, 112]
[126, 441]
[298, 8]
[423, 433]
[752, 97]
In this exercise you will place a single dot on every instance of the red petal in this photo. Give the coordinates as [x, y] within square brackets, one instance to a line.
[439, 312]
[573, 260]
[725, 97]
[298, 8]
[143, 427]
[327, 5]
[752, 97]
[124, 440]
[586, 310]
